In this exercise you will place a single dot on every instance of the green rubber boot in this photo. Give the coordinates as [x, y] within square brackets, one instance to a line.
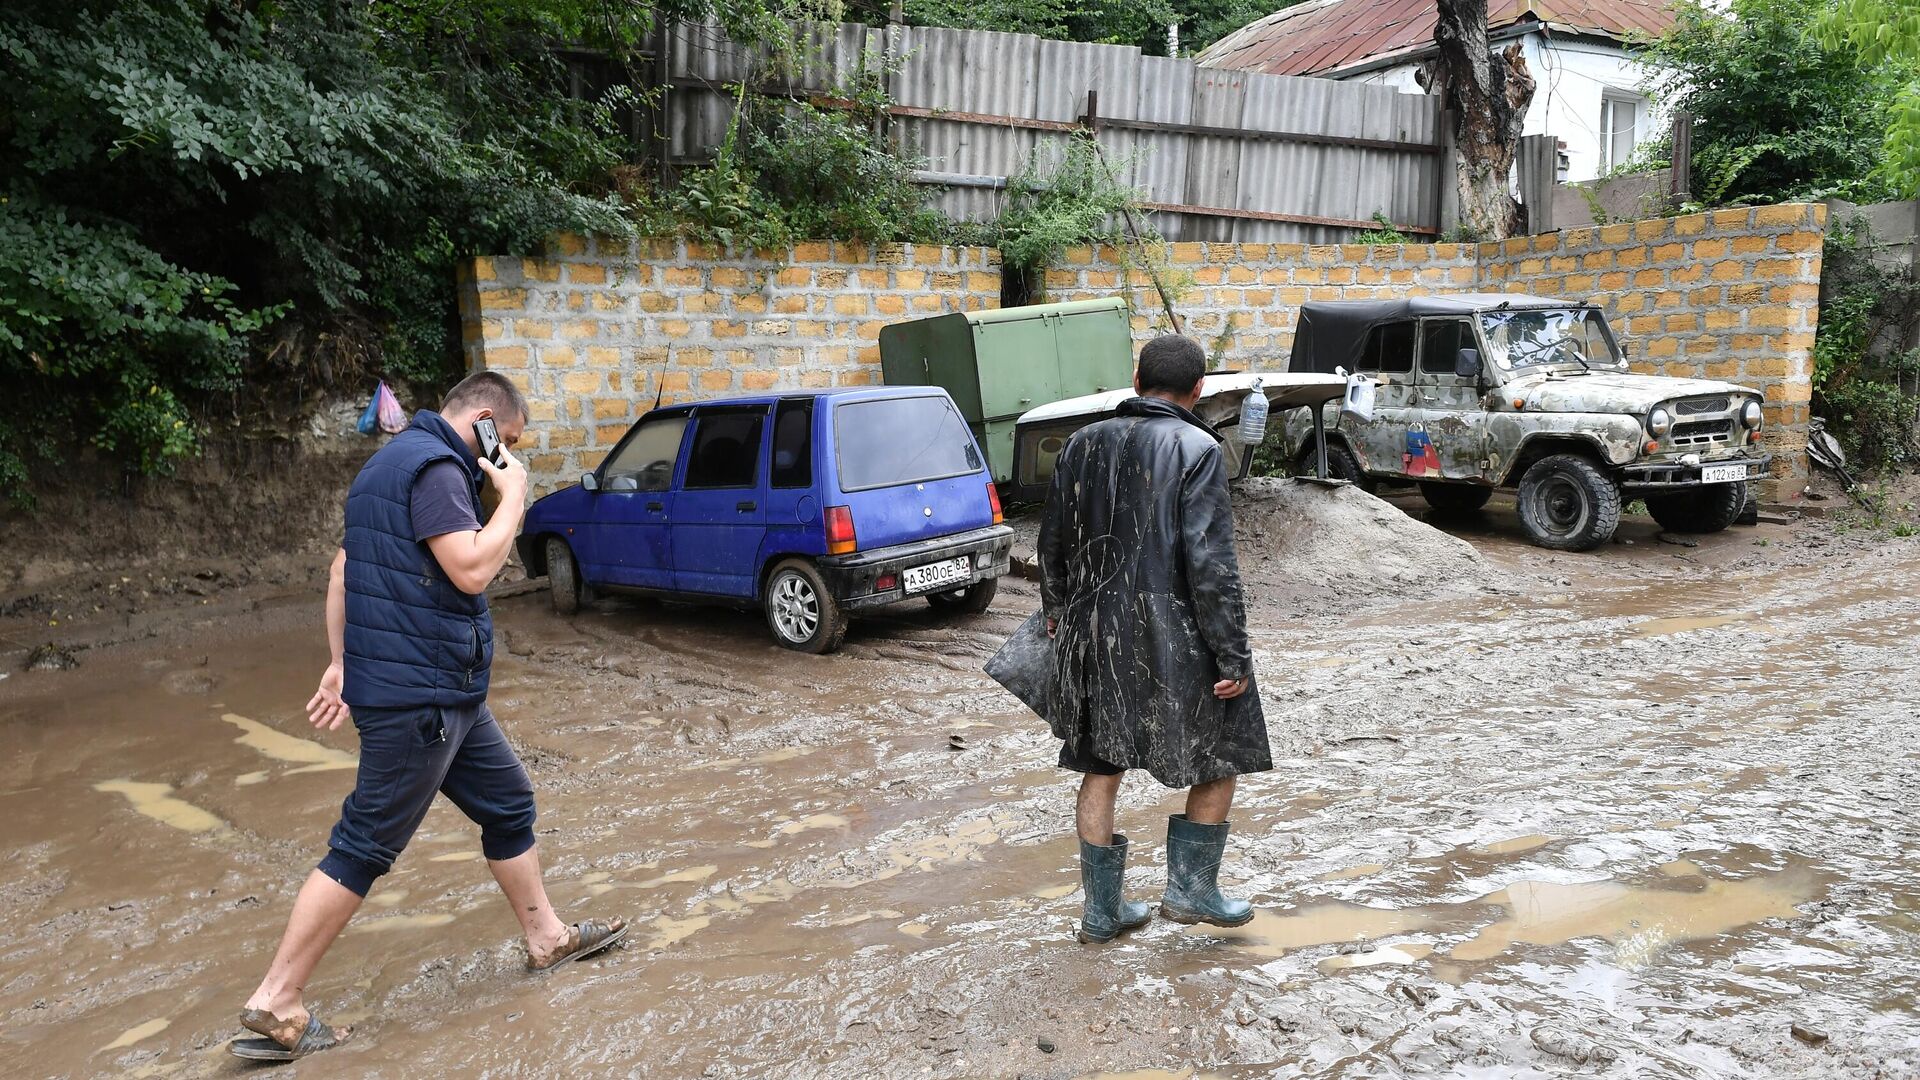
[1107, 915]
[1193, 876]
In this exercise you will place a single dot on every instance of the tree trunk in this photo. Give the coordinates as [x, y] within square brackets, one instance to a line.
[1489, 92]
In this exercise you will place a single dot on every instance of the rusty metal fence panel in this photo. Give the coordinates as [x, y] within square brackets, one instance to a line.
[1217, 154]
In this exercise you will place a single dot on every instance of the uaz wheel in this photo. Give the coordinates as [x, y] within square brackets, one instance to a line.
[1459, 497]
[1568, 504]
[801, 612]
[972, 600]
[563, 577]
[1341, 465]
[1708, 508]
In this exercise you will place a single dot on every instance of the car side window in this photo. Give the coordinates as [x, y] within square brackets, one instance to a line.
[793, 443]
[1390, 348]
[1440, 343]
[726, 449]
[645, 461]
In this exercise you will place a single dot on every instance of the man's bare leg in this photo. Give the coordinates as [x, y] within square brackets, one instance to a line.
[519, 878]
[320, 912]
[1093, 812]
[1208, 803]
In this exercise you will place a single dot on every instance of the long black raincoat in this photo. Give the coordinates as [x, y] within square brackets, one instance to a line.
[1138, 570]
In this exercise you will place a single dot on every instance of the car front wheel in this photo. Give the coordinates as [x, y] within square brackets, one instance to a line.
[801, 612]
[1568, 504]
[1341, 465]
[1708, 508]
[563, 577]
[971, 600]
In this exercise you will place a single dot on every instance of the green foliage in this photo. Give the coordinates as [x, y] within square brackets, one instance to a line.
[1383, 233]
[1066, 194]
[1885, 35]
[1861, 365]
[790, 171]
[1777, 118]
[1141, 23]
[208, 196]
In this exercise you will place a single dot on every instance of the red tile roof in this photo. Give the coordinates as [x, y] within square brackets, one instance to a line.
[1328, 35]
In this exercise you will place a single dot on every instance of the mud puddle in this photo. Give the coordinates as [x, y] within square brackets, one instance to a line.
[1494, 822]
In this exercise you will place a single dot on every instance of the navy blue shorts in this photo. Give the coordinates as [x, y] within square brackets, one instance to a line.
[406, 755]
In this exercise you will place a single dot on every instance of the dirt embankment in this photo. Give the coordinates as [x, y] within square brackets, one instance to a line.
[102, 553]
[1308, 548]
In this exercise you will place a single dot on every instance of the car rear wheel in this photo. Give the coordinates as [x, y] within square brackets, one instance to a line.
[1568, 504]
[801, 612]
[1341, 465]
[563, 577]
[1708, 508]
[1458, 497]
[972, 600]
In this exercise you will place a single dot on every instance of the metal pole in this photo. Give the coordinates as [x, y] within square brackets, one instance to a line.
[1320, 438]
[1092, 123]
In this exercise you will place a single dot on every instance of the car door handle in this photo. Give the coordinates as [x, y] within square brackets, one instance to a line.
[743, 507]
[656, 506]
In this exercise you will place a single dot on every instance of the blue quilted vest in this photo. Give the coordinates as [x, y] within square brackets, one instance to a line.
[413, 638]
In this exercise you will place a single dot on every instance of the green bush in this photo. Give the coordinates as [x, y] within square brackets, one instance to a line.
[1860, 363]
[208, 196]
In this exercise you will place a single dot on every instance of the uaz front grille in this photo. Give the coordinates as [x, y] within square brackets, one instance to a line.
[1700, 406]
[1701, 432]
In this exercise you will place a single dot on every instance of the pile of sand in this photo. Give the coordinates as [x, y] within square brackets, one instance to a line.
[1335, 546]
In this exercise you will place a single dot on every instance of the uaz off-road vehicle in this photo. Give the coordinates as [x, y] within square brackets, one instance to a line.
[1483, 391]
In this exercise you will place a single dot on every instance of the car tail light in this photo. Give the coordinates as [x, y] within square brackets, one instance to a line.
[886, 582]
[840, 538]
[993, 500]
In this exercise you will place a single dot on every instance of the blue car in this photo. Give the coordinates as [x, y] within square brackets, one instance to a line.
[807, 506]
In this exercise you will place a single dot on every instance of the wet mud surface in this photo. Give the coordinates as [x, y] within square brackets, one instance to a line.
[1633, 814]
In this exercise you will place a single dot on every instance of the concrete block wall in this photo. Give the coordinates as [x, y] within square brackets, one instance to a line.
[593, 333]
[1242, 301]
[1729, 294]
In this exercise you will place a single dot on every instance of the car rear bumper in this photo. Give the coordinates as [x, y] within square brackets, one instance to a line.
[850, 577]
[1672, 475]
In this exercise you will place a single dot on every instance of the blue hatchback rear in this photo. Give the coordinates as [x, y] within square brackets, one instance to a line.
[806, 505]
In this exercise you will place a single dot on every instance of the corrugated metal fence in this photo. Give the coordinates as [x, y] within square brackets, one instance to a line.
[1217, 155]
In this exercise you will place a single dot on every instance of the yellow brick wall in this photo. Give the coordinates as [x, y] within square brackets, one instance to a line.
[599, 330]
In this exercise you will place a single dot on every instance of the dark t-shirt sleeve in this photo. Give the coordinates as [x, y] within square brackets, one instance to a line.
[442, 502]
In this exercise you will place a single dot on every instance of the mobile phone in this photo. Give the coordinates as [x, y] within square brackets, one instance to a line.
[489, 436]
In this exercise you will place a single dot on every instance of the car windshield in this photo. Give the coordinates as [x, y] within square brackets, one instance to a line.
[1574, 337]
[885, 442]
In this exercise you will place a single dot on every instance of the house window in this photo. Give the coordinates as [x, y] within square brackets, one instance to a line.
[1621, 116]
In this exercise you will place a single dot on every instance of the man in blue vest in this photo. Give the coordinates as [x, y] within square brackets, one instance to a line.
[412, 644]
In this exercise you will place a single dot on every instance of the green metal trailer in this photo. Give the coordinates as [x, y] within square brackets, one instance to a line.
[999, 363]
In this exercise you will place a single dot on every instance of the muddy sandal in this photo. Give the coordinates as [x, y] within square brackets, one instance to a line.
[584, 940]
[315, 1038]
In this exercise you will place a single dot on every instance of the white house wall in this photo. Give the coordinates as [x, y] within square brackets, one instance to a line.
[1570, 79]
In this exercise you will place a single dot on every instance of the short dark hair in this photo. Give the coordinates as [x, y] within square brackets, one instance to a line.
[1171, 363]
[487, 390]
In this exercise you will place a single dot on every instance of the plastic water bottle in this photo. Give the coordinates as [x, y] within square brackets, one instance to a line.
[1253, 415]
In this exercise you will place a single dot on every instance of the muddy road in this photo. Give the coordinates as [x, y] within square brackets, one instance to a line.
[1635, 814]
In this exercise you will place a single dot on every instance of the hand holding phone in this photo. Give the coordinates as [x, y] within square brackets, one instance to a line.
[489, 436]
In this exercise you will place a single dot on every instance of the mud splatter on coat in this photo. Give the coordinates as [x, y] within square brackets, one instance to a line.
[1138, 569]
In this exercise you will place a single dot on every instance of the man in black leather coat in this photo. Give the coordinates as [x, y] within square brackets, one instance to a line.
[1142, 597]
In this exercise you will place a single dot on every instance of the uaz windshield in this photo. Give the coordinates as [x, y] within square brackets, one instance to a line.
[1575, 337]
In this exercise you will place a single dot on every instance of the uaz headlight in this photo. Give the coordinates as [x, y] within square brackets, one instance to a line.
[1659, 422]
[1750, 415]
